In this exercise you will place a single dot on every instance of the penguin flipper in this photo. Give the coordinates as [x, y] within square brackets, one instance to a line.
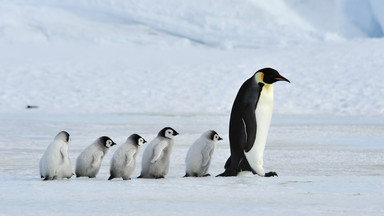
[250, 127]
[64, 154]
[97, 157]
[129, 157]
[158, 151]
[206, 153]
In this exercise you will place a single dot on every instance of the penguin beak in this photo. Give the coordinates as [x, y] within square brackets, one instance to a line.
[281, 78]
[175, 133]
[113, 144]
[220, 138]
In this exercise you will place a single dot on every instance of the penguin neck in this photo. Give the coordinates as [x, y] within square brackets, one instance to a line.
[266, 87]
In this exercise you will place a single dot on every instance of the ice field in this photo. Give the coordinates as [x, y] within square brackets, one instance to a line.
[326, 166]
[111, 67]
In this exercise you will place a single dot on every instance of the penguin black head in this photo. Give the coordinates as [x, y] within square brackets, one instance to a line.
[106, 141]
[64, 135]
[137, 139]
[269, 76]
[214, 136]
[168, 132]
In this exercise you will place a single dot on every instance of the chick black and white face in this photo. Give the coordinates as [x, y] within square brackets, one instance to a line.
[214, 136]
[141, 141]
[107, 142]
[269, 76]
[168, 133]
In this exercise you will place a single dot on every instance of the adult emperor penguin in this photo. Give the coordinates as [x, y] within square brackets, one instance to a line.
[55, 162]
[89, 161]
[249, 123]
[156, 156]
[123, 162]
[200, 154]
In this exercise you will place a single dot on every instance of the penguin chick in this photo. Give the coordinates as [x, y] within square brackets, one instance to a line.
[89, 161]
[200, 154]
[123, 162]
[55, 162]
[156, 156]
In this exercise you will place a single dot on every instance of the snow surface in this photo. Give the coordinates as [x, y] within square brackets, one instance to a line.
[113, 67]
[326, 165]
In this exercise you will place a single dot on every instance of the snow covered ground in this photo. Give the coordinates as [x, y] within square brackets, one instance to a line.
[112, 67]
[326, 165]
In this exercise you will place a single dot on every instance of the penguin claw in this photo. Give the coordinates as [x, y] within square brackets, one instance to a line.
[271, 174]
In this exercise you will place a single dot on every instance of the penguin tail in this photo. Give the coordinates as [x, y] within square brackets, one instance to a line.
[228, 163]
[226, 173]
[229, 171]
[244, 166]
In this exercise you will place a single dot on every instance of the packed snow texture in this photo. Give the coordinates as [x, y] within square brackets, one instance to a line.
[169, 57]
[326, 166]
[114, 67]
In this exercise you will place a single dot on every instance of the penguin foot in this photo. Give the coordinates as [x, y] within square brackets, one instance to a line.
[227, 174]
[206, 175]
[271, 174]
[110, 178]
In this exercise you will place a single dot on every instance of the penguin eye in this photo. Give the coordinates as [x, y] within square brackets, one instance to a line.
[109, 143]
[141, 141]
[216, 137]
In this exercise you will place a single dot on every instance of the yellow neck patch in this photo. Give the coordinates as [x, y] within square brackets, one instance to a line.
[260, 77]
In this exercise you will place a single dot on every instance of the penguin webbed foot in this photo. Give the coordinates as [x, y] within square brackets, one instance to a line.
[271, 174]
[207, 175]
[226, 174]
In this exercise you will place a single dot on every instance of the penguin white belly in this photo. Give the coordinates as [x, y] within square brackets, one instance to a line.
[263, 113]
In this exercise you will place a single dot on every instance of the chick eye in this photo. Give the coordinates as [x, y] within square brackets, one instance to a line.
[109, 142]
[141, 141]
